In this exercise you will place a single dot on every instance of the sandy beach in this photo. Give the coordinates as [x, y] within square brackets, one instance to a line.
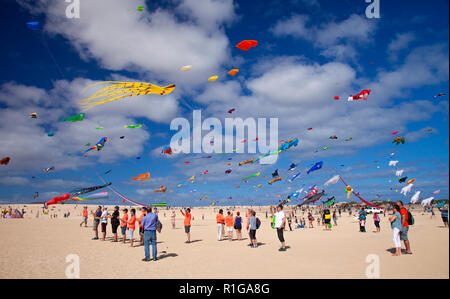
[37, 248]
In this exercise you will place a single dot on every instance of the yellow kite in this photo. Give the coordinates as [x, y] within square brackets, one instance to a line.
[118, 90]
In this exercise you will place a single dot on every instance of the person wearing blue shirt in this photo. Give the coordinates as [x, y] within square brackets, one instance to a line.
[444, 215]
[149, 225]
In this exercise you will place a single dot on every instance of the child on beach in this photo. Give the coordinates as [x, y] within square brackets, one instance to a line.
[362, 225]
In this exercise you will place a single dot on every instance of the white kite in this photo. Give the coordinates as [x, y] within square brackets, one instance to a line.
[436, 192]
[415, 197]
[406, 189]
[427, 201]
[393, 163]
[399, 172]
[332, 181]
[186, 68]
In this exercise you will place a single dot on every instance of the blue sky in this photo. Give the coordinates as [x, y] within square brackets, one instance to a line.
[309, 51]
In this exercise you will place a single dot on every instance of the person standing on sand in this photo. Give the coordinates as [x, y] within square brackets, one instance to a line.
[141, 228]
[85, 217]
[252, 230]
[220, 222]
[280, 222]
[396, 225]
[334, 218]
[444, 215]
[187, 223]
[149, 225]
[376, 220]
[229, 225]
[238, 225]
[310, 220]
[115, 222]
[248, 216]
[405, 226]
[172, 218]
[104, 222]
[131, 226]
[124, 224]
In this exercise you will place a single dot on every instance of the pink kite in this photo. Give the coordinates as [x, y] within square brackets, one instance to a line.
[395, 132]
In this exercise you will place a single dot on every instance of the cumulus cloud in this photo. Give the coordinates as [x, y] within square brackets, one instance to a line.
[335, 39]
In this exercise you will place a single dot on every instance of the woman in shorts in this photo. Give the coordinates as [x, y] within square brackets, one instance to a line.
[131, 226]
[238, 225]
[376, 220]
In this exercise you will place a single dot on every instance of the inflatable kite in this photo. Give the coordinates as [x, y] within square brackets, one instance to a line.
[132, 126]
[402, 180]
[312, 199]
[439, 95]
[161, 189]
[395, 132]
[74, 118]
[332, 181]
[406, 189]
[246, 45]
[33, 115]
[293, 166]
[81, 191]
[246, 162]
[294, 177]
[393, 163]
[415, 197]
[213, 78]
[315, 167]
[166, 150]
[57, 199]
[364, 95]
[100, 195]
[275, 174]
[228, 171]
[231, 110]
[436, 192]
[410, 181]
[357, 194]
[5, 161]
[252, 176]
[142, 177]
[118, 90]
[288, 144]
[47, 170]
[186, 68]
[33, 25]
[399, 172]
[333, 137]
[233, 72]
[398, 140]
[99, 145]
[329, 202]
[427, 201]
[349, 190]
[274, 180]
[51, 134]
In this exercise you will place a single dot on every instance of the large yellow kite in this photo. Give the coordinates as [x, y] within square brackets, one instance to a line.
[118, 90]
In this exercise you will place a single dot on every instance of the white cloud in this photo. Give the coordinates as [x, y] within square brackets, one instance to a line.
[400, 42]
[335, 39]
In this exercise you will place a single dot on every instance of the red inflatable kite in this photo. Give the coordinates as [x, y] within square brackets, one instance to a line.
[5, 161]
[245, 45]
[57, 199]
[364, 94]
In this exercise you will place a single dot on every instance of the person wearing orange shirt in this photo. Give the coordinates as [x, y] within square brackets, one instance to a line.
[229, 225]
[187, 223]
[131, 226]
[220, 222]
[123, 224]
[141, 228]
[85, 217]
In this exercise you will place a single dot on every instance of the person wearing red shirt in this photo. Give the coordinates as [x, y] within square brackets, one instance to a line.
[405, 227]
[187, 223]
[85, 217]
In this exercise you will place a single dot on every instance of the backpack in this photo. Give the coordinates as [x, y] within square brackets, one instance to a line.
[258, 223]
[410, 218]
[158, 226]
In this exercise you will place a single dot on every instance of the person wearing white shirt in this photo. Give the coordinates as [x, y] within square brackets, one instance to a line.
[280, 222]
[104, 221]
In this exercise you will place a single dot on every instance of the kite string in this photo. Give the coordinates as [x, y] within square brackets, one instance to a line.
[363, 200]
[120, 195]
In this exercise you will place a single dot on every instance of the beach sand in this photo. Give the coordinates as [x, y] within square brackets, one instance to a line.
[37, 248]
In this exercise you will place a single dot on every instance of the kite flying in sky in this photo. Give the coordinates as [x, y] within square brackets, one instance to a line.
[246, 45]
[99, 145]
[118, 90]
[364, 94]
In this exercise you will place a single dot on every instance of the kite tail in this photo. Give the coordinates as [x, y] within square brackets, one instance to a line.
[120, 195]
